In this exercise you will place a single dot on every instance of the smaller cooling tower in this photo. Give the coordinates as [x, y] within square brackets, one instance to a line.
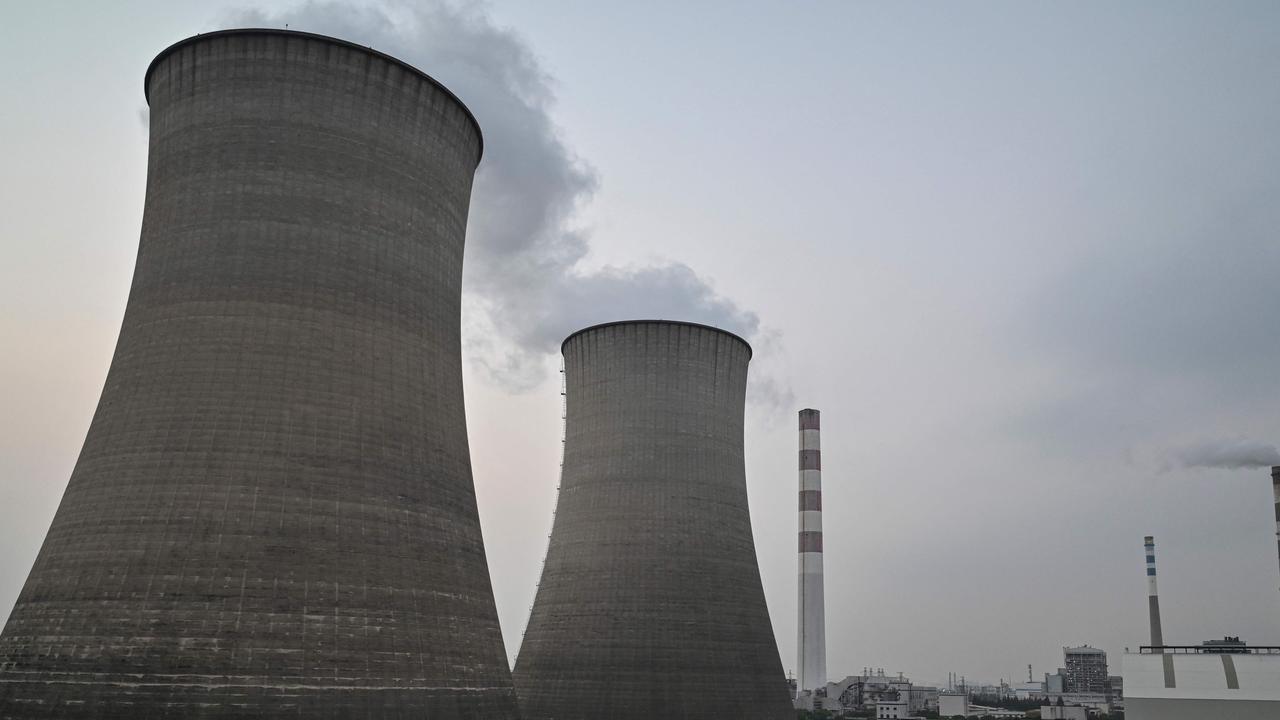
[650, 605]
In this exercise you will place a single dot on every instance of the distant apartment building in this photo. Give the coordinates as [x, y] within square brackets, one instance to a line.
[1115, 692]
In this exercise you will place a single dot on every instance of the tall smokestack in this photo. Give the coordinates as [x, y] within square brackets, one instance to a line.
[1275, 489]
[1153, 597]
[812, 624]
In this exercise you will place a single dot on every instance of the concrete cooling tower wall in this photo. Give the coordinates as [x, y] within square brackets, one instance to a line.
[650, 604]
[273, 513]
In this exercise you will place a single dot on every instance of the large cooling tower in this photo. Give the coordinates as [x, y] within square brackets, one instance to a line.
[273, 513]
[650, 604]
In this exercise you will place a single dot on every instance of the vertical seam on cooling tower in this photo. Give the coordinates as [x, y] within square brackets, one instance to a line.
[564, 441]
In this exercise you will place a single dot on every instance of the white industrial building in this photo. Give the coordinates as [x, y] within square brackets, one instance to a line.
[953, 704]
[1199, 682]
[1029, 690]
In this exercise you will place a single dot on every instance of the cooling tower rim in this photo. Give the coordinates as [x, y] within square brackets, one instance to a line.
[684, 323]
[146, 78]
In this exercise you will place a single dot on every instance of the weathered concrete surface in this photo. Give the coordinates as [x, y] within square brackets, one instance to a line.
[650, 605]
[273, 513]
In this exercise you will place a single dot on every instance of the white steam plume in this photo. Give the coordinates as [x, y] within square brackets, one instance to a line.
[1232, 455]
[525, 286]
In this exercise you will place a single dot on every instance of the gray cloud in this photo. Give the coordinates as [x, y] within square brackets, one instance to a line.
[526, 284]
[1233, 455]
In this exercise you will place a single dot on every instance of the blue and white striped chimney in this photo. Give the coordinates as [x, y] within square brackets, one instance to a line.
[1275, 489]
[1153, 597]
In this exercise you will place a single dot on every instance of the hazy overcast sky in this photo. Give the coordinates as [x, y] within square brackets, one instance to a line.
[1024, 256]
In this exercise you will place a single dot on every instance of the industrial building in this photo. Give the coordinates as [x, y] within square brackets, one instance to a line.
[951, 704]
[650, 603]
[1225, 678]
[1202, 681]
[273, 511]
[1086, 670]
[1084, 681]
[867, 691]
[898, 709]
[1064, 712]
[958, 704]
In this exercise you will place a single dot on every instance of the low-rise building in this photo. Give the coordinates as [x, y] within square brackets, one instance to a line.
[923, 697]
[893, 710]
[1064, 712]
[953, 704]
[1097, 702]
[860, 692]
[984, 711]
[1056, 682]
[1028, 690]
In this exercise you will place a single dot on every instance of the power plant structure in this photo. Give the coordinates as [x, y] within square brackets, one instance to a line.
[1153, 595]
[650, 603]
[1275, 491]
[1216, 679]
[812, 637]
[273, 511]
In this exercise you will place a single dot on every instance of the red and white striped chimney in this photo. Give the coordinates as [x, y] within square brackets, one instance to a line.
[812, 626]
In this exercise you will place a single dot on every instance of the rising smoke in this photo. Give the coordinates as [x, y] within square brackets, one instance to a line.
[525, 287]
[1232, 455]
